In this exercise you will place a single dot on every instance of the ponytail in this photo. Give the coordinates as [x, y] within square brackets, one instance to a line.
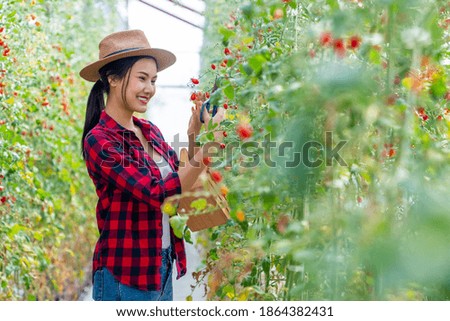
[95, 105]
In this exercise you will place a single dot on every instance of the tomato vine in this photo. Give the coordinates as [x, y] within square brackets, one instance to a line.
[47, 229]
[359, 91]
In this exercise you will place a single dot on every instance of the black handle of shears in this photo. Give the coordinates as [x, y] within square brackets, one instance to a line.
[207, 104]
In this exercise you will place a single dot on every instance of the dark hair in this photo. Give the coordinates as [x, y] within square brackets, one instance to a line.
[96, 101]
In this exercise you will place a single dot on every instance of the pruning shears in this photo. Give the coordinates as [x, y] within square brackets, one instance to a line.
[207, 104]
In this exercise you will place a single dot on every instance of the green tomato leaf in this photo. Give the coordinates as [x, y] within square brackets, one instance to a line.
[256, 62]
[188, 235]
[178, 224]
[16, 229]
[229, 92]
[227, 34]
[199, 204]
[38, 236]
[438, 86]
[228, 290]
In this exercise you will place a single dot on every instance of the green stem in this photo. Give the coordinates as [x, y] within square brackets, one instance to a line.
[291, 275]
[407, 129]
[296, 27]
[334, 227]
[390, 30]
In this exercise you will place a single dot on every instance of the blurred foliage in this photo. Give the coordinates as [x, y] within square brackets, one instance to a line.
[47, 223]
[363, 80]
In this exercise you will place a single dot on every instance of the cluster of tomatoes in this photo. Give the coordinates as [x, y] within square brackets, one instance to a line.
[339, 45]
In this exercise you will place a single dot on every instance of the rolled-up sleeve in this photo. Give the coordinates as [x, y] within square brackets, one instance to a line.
[107, 161]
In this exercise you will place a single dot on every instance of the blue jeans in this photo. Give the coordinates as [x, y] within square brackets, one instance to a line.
[107, 288]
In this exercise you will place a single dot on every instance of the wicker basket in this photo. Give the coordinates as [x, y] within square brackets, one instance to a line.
[217, 216]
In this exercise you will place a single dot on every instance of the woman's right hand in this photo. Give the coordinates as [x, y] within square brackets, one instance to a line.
[217, 118]
[195, 124]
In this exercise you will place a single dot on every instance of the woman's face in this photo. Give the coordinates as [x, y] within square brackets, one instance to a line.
[141, 85]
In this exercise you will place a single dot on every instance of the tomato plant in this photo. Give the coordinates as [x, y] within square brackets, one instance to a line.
[47, 228]
[336, 155]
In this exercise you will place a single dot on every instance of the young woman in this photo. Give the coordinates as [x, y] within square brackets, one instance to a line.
[133, 170]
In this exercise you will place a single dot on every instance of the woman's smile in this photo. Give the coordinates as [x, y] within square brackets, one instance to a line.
[143, 99]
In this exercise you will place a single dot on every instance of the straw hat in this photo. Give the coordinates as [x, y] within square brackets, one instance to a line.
[124, 44]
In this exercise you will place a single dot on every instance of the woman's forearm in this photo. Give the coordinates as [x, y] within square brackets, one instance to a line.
[192, 148]
[191, 170]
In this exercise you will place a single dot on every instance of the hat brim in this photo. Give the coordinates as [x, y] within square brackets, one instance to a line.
[164, 59]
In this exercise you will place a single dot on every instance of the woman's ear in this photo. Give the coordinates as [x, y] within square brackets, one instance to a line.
[113, 81]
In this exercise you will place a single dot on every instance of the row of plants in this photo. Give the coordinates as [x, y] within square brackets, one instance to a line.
[335, 155]
[47, 223]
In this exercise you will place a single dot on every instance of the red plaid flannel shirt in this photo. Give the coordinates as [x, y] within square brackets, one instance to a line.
[131, 191]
